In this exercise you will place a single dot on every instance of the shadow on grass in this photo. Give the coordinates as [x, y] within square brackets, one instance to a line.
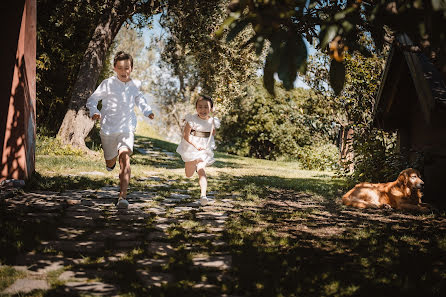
[328, 189]
[22, 233]
[282, 240]
[308, 249]
[148, 142]
[157, 162]
[358, 267]
[62, 182]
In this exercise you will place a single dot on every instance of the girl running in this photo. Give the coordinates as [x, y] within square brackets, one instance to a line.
[198, 142]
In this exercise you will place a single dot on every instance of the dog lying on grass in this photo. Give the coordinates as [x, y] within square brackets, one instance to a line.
[404, 193]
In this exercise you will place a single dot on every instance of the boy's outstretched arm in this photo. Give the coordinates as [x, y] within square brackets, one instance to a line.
[146, 110]
[93, 100]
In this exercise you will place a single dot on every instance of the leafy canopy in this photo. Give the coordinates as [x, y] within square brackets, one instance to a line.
[335, 27]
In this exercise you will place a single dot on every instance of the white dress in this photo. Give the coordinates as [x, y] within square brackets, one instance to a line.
[187, 151]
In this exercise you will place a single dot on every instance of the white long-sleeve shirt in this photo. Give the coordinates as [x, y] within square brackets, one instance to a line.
[118, 105]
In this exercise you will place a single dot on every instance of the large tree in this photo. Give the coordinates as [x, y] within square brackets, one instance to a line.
[64, 29]
[76, 124]
[197, 62]
[219, 68]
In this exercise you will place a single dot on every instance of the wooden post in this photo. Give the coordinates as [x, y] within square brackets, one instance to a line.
[18, 89]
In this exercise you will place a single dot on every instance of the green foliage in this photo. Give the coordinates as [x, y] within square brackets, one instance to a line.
[377, 158]
[375, 155]
[64, 32]
[200, 61]
[193, 62]
[64, 29]
[318, 156]
[283, 46]
[288, 125]
[52, 146]
[336, 26]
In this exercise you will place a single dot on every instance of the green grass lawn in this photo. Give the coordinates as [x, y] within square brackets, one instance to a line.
[62, 171]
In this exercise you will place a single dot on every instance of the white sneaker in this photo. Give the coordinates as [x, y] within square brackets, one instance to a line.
[122, 203]
[206, 201]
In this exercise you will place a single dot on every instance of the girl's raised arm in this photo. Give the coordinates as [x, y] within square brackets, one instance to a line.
[186, 133]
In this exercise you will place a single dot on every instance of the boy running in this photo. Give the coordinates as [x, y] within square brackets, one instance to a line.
[119, 95]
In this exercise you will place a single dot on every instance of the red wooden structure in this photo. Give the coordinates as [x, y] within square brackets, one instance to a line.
[18, 89]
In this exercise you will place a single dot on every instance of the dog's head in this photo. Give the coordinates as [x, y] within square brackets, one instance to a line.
[410, 179]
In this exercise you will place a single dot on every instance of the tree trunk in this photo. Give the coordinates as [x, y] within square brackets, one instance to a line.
[346, 135]
[77, 124]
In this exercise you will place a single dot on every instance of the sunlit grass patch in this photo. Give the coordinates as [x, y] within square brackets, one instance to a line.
[331, 288]
[189, 224]
[53, 277]
[86, 260]
[131, 255]
[144, 128]
[8, 275]
[51, 146]
[409, 239]
[363, 233]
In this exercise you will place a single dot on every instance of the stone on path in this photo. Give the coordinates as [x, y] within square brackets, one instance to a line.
[26, 285]
[92, 288]
[91, 173]
[157, 210]
[213, 262]
[211, 216]
[160, 248]
[179, 196]
[67, 275]
[153, 262]
[154, 279]
[162, 227]
[156, 235]
[182, 209]
[204, 236]
[74, 246]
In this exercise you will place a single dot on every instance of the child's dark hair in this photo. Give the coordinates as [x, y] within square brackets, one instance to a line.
[122, 56]
[206, 98]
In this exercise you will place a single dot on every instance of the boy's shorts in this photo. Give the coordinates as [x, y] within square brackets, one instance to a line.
[111, 144]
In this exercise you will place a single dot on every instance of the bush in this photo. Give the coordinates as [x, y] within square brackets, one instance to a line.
[319, 157]
[377, 158]
[286, 126]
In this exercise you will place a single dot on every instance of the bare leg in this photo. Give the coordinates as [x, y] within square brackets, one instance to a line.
[191, 167]
[124, 172]
[202, 180]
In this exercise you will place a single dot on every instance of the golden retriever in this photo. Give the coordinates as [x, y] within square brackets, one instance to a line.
[404, 193]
